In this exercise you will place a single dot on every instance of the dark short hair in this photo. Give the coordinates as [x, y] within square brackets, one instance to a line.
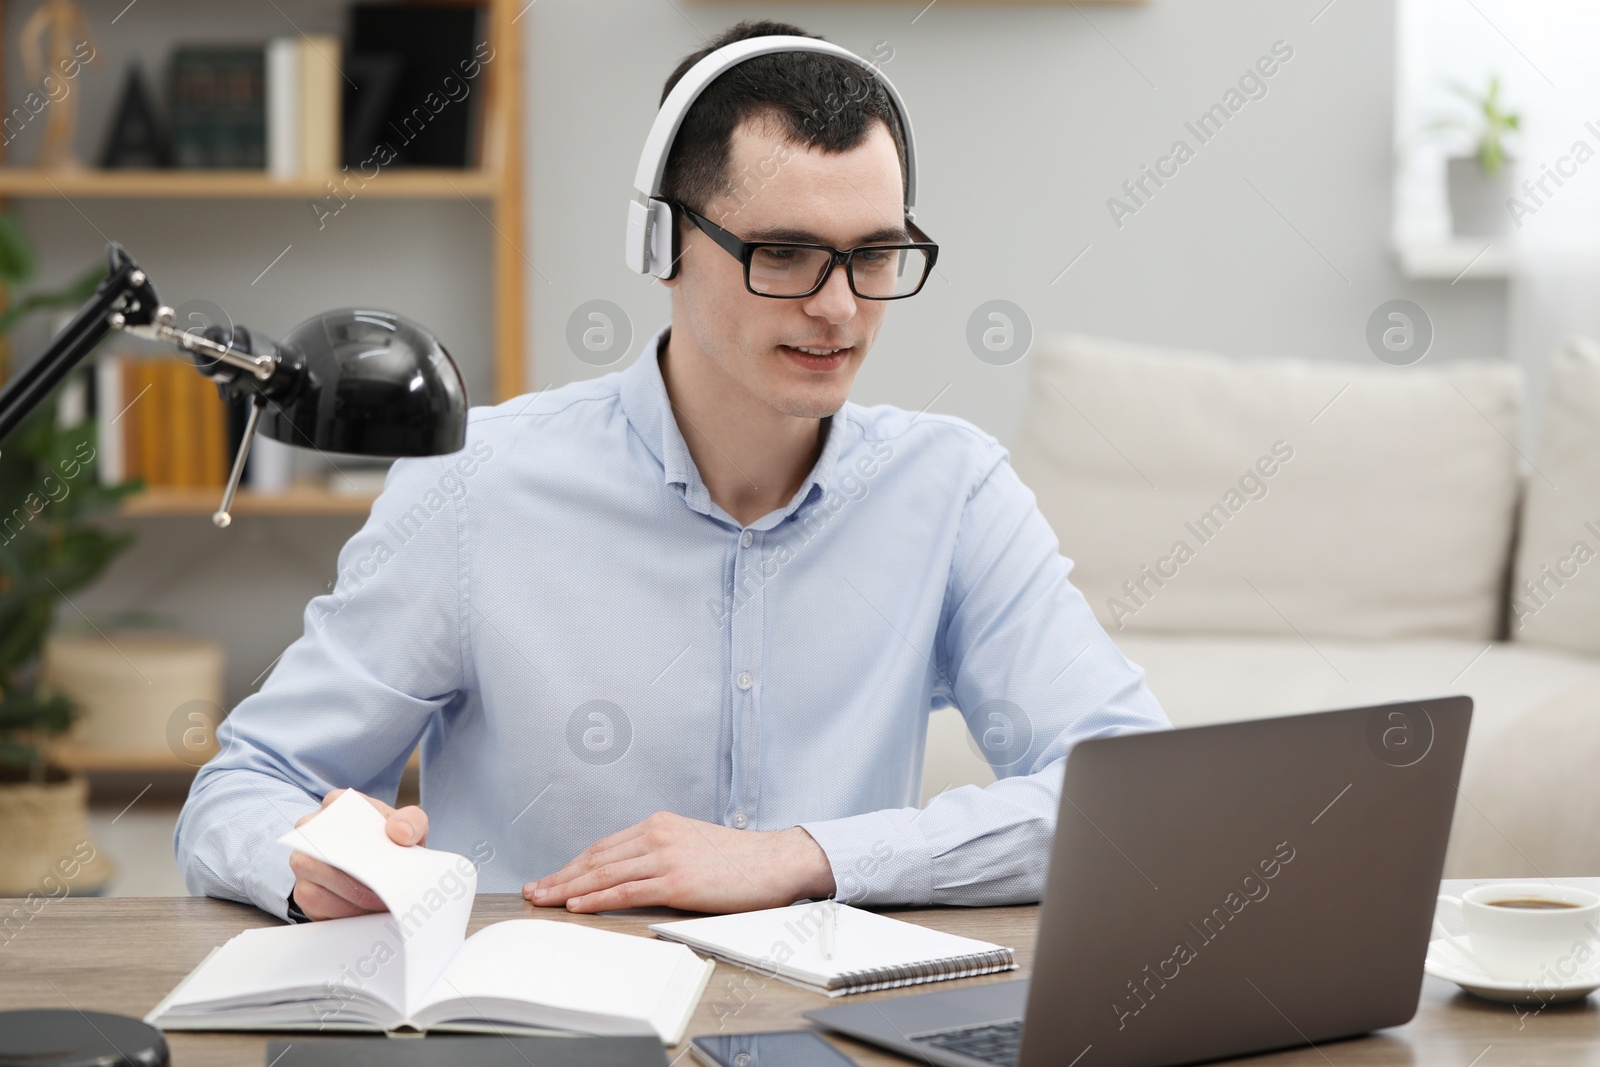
[815, 100]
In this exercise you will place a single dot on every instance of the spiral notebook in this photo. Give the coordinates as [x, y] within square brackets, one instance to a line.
[870, 951]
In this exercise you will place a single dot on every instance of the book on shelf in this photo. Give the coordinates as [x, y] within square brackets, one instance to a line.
[412, 967]
[303, 102]
[160, 419]
[419, 72]
[216, 100]
[408, 91]
[283, 107]
[137, 136]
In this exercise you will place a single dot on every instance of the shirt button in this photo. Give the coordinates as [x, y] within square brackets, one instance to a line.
[745, 680]
[740, 820]
[746, 538]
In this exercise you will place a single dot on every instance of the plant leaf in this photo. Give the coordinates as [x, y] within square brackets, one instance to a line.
[16, 252]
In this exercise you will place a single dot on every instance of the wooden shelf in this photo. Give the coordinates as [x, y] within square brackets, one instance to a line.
[297, 500]
[1460, 258]
[404, 183]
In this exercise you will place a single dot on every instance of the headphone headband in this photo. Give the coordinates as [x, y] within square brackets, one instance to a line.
[651, 234]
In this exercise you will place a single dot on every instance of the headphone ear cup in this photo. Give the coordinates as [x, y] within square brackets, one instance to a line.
[676, 244]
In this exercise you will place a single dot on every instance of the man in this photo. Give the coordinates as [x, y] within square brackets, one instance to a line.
[671, 636]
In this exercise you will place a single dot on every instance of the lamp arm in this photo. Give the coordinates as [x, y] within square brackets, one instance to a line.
[324, 390]
[126, 291]
[127, 301]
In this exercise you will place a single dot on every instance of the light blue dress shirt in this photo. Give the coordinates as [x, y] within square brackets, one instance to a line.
[577, 637]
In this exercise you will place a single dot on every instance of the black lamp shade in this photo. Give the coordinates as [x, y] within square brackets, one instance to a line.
[58, 1037]
[374, 383]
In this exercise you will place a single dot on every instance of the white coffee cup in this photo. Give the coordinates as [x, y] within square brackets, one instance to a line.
[1551, 938]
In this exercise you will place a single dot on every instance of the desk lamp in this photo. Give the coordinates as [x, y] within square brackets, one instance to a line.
[352, 380]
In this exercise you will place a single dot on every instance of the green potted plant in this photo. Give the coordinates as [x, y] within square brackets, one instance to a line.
[50, 548]
[1481, 183]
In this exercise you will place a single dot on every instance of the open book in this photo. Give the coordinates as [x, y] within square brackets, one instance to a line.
[865, 950]
[413, 967]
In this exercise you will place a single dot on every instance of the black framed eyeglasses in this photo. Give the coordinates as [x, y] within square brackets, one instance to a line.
[786, 270]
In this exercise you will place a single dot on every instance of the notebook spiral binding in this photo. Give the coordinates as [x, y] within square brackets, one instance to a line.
[872, 978]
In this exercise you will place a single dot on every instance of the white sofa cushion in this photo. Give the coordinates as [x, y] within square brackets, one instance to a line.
[1555, 596]
[1200, 494]
[1532, 809]
[1207, 679]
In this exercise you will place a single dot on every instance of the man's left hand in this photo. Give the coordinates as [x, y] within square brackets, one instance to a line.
[685, 863]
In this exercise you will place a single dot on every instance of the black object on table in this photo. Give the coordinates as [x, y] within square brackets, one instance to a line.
[59, 1037]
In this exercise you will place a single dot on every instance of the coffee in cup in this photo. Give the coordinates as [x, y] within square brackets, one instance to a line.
[1541, 934]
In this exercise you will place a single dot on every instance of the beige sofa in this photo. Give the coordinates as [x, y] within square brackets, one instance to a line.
[1267, 536]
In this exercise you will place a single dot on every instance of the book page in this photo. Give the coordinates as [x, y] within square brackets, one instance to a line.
[428, 892]
[314, 974]
[574, 975]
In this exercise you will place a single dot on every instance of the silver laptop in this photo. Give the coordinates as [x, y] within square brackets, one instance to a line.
[1215, 891]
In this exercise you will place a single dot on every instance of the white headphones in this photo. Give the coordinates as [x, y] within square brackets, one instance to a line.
[651, 234]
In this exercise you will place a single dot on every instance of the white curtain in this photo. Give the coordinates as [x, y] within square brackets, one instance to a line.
[1555, 292]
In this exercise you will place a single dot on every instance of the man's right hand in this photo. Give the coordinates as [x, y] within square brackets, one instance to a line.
[324, 892]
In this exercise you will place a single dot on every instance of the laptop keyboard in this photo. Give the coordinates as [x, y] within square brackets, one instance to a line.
[990, 1042]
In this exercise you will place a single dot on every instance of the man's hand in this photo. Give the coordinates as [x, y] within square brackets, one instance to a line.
[324, 892]
[689, 864]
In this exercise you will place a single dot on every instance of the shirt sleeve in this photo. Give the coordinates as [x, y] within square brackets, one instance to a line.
[1033, 673]
[381, 653]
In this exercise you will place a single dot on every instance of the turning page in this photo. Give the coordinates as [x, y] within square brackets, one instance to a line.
[428, 892]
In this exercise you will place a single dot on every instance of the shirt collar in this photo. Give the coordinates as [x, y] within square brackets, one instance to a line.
[644, 402]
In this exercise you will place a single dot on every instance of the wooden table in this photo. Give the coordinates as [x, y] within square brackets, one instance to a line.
[123, 955]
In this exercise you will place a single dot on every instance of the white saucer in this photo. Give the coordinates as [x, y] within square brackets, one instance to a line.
[1447, 962]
